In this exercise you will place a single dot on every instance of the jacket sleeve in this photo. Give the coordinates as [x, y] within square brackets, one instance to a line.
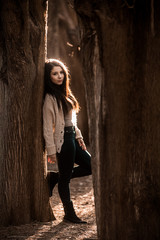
[48, 125]
[78, 133]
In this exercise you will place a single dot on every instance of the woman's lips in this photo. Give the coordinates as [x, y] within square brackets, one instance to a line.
[60, 80]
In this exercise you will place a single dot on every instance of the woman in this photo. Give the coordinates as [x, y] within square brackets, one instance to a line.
[63, 140]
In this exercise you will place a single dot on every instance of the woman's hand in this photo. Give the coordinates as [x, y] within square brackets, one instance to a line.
[81, 143]
[51, 158]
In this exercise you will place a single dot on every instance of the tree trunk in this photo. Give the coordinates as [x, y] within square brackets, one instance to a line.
[120, 44]
[63, 43]
[23, 189]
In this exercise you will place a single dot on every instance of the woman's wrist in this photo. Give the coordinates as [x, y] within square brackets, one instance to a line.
[51, 155]
[51, 158]
[81, 143]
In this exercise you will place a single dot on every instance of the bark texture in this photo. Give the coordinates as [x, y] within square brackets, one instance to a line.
[120, 44]
[23, 188]
[63, 43]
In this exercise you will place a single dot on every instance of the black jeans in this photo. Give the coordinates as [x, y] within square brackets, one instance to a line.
[71, 153]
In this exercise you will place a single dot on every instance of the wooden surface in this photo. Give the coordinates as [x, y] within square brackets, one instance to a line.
[23, 194]
[122, 70]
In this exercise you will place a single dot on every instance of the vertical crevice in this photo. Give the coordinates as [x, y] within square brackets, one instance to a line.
[152, 18]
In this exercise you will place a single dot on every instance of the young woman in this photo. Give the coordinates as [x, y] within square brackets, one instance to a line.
[63, 140]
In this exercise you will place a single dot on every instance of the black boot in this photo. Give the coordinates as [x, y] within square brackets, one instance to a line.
[52, 179]
[70, 214]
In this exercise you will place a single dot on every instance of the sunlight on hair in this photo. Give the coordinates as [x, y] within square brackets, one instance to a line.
[50, 60]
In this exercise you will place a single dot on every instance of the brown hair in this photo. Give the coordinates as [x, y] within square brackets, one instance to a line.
[62, 93]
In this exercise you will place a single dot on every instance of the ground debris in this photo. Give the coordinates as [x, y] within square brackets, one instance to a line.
[83, 199]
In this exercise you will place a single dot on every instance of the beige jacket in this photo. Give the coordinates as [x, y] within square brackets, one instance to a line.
[53, 125]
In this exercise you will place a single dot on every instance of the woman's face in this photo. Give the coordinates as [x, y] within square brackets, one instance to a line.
[57, 75]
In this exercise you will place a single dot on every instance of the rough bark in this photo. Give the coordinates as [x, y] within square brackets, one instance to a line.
[120, 44]
[23, 188]
[63, 43]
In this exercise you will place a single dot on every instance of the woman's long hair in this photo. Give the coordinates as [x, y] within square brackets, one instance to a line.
[62, 93]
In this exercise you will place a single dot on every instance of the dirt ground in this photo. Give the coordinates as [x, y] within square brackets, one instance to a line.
[83, 199]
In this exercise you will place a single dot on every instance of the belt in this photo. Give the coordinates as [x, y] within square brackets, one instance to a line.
[69, 129]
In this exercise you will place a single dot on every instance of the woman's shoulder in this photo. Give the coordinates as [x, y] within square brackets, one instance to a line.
[49, 98]
[50, 102]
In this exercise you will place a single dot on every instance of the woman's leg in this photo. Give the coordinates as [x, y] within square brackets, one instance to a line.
[71, 153]
[65, 164]
[83, 159]
[52, 178]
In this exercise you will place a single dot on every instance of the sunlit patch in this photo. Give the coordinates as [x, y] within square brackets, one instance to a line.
[74, 118]
[69, 44]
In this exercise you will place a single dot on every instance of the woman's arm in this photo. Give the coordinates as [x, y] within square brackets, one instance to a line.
[81, 143]
[79, 136]
[78, 133]
[48, 124]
